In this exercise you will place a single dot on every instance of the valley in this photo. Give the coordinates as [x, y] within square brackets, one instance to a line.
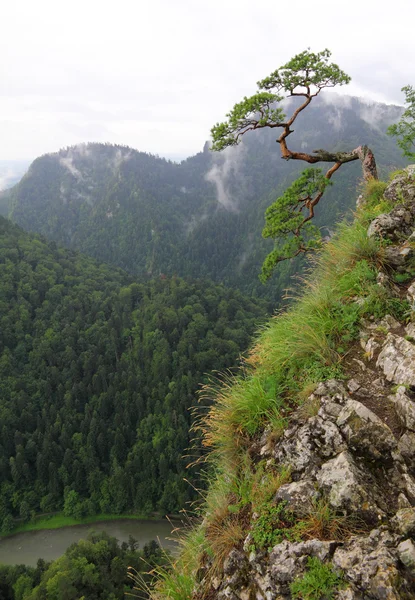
[129, 295]
[203, 217]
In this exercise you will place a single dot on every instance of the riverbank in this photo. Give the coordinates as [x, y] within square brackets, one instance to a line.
[57, 521]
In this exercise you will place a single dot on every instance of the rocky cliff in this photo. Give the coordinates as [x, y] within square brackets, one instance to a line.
[318, 500]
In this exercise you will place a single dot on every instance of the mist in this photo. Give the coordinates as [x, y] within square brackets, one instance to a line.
[226, 168]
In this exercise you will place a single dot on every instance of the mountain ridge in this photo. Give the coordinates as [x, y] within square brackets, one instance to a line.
[201, 217]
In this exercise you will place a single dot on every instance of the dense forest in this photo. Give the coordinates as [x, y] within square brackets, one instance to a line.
[202, 217]
[97, 374]
[94, 569]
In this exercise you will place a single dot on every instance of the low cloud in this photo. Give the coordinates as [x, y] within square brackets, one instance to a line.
[376, 114]
[120, 157]
[225, 171]
[67, 162]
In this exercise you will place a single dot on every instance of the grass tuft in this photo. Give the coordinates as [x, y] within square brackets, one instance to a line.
[320, 581]
[243, 406]
[323, 523]
[176, 580]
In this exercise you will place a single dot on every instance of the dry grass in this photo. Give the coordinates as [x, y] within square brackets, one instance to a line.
[322, 523]
[217, 499]
[222, 538]
[309, 408]
[266, 483]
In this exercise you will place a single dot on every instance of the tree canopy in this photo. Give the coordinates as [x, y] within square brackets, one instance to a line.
[404, 130]
[303, 77]
[97, 375]
[95, 568]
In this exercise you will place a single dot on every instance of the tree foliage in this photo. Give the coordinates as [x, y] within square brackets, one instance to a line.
[97, 375]
[284, 220]
[404, 130]
[303, 77]
[92, 569]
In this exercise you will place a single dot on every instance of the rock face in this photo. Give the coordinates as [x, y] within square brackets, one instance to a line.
[355, 457]
[349, 457]
[397, 360]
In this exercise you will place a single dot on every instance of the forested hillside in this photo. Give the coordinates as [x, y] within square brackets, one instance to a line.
[97, 374]
[202, 217]
[94, 569]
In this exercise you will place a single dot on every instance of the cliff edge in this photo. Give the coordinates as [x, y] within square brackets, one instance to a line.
[312, 447]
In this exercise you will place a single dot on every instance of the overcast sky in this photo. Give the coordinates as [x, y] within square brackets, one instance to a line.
[157, 74]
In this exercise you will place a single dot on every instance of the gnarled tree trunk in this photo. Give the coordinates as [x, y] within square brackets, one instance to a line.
[362, 153]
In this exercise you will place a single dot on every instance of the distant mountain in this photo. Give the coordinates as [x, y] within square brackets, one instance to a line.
[204, 216]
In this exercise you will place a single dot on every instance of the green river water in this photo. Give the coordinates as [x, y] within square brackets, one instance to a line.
[49, 544]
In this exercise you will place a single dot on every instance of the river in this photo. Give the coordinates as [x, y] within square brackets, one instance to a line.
[49, 544]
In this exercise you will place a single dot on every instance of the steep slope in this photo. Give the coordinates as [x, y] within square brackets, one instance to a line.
[97, 374]
[312, 444]
[200, 218]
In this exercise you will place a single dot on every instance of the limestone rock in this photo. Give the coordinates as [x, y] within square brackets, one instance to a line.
[406, 551]
[395, 226]
[403, 502]
[410, 331]
[405, 408]
[340, 479]
[408, 484]
[404, 521]
[402, 188]
[304, 448]
[397, 360]
[369, 563]
[298, 495]
[288, 560]
[370, 346]
[235, 576]
[406, 446]
[332, 387]
[353, 385]
[329, 410]
[398, 256]
[348, 594]
[365, 432]
[236, 561]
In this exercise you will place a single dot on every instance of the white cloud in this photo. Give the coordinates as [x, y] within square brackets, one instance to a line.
[226, 168]
[156, 75]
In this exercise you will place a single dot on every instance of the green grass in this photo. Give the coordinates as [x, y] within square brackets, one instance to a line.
[303, 345]
[320, 581]
[295, 350]
[273, 525]
[58, 521]
[177, 580]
